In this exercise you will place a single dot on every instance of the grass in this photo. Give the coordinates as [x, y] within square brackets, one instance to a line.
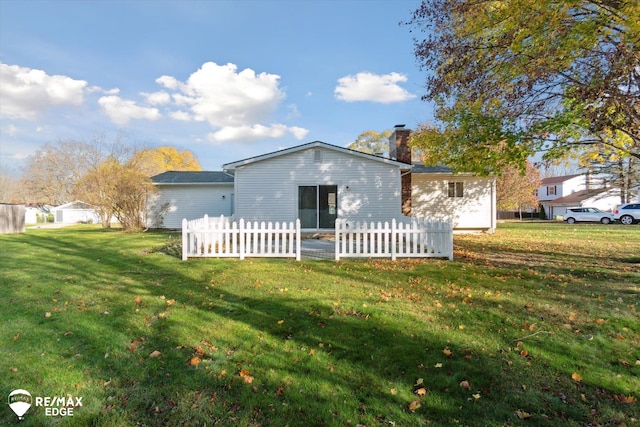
[535, 325]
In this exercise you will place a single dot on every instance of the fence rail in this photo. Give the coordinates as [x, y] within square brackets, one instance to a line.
[224, 237]
[413, 238]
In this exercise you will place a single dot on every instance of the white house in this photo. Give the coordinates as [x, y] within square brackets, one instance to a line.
[556, 194]
[76, 211]
[319, 182]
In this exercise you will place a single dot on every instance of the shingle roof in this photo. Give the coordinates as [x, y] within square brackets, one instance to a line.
[577, 197]
[557, 179]
[422, 168]
[203, 177]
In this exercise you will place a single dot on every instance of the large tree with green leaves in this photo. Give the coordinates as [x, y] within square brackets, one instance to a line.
[372, 142]
[513, 78]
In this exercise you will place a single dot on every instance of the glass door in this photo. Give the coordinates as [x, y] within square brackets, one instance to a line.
[327, 206]
[318, 206]
[308, 206]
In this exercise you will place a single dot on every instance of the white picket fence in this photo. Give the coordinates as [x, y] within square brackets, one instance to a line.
[224, 237]
[410, 238]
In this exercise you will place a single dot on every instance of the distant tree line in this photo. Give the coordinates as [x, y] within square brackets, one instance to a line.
[112, 176]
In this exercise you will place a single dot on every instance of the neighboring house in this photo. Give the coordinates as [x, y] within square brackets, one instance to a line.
[558, 193]
[74, 212]
[319, 182]
[604, 199]
[35, 214]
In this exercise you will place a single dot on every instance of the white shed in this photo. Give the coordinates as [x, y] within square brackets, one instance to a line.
[76, 211]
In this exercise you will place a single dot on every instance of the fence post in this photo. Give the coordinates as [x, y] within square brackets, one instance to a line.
[298, 239]
[337, 238]
[185, 239]
[393, 239]
[241, 237]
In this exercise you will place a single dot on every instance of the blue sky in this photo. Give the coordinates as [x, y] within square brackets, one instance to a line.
[224, 79]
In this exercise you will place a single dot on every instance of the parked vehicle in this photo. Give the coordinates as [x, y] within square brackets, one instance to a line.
[628, 213]
[587, 215]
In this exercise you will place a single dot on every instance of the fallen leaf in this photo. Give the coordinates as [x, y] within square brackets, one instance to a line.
[155, 353]
[393, 391]
[312, 351]
[246, 377]
[465, 385]
[13, 369]
[476, 396]
[421, 391]
[419, 382]
[576, 377]
[138, 300]
[280, 391]
[524, 353]
[625, 399]
[413, 406]
[16, 336]
[47, 314]
[171, 301]
[523, 415]
[623, 362]
[66, 334]
[438, 365]
[199, 351]
[280, 322]
[447, 352]
[194, 361]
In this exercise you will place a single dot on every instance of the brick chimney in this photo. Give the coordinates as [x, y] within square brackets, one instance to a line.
[399, 150]
[399, 144]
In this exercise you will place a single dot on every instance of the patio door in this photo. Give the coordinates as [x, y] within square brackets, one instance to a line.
[318, 206]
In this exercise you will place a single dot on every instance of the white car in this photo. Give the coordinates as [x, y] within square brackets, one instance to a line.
[587, 215]
[628, 213]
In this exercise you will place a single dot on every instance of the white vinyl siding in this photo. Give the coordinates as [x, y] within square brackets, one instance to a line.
[431, 198]
[175, 202]
[267, 190]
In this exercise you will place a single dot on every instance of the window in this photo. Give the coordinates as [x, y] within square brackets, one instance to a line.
[551, 191]
[317, 156]
[456, 189]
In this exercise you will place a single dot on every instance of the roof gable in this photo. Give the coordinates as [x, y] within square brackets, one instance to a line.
[314, 144]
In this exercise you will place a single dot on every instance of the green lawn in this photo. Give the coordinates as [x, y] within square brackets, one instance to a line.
[537, 325]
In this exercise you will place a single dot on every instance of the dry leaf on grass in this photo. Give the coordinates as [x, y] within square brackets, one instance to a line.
[155, 353]
[523, 415]
[413, 406]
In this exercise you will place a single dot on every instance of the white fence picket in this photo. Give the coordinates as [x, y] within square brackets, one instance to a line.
[408, 237]
[415, 237]
[223, 237]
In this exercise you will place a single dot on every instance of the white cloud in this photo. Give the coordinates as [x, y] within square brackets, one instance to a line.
[157, 98]
[120, 111]
[26, 92]
[373, 88]
[237, 104]
[181, 115]
[255, 132]
[12, 130]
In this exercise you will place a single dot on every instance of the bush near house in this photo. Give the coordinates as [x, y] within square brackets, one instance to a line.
[535, 325]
